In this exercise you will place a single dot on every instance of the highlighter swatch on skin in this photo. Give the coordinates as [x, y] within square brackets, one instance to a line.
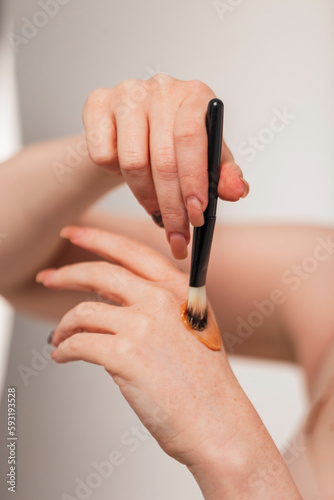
[210, 336]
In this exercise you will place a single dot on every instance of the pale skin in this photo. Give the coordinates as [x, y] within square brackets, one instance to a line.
[154, 134]
[236, 277]
[155, 360]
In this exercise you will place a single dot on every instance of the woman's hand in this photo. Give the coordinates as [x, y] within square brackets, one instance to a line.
[175, 384]
[183, 392]
[164, 372]
[153, 132]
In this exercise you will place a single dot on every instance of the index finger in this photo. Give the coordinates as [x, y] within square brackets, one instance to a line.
[126, 252]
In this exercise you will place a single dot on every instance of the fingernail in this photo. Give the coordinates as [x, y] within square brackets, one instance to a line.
[178, 245]
[195, 211]
[246, 189]
[157, 218]
[65, 232]
[42, 276]
[49, 339]
[70, 232]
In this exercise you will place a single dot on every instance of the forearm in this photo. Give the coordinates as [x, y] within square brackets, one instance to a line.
[43, 188]
[246, 467]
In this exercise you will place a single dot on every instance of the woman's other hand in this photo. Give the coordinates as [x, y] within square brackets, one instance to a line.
[153, 133]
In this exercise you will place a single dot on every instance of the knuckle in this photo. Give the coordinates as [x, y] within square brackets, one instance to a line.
[128, 84]
[101, 158]
[199, 86]
[71, 319]
[85, 309]
[72, 327]
[188, 132]
[163, 298]
[125, 349]
[193, 179]
[131, 164]
[143, 323]
[72, 343]
[67, 318]
[98, 97]
[161, 79]
[175, 217]
[164, 173]
[118, 281]
[165, 164]
[101, 152]
[165, 153]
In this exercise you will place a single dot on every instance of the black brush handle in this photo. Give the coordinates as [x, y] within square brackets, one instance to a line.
[202, 236]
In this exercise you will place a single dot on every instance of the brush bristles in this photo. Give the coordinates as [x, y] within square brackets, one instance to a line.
[197, 315]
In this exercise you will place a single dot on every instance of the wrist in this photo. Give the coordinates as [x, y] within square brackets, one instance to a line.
[242, 475]
[223, 467]
[244, 464]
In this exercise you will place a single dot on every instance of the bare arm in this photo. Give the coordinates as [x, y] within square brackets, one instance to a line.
[49, 185]
[43, 188]
[247, 264]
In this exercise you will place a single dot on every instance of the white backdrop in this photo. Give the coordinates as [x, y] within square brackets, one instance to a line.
[265, 59]
[9, 143]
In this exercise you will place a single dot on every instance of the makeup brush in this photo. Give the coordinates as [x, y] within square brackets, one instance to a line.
[202, 236]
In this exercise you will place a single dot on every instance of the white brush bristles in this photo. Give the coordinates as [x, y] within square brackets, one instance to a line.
[197, 307]
[197, 300]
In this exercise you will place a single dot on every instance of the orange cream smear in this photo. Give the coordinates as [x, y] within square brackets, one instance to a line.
[210, 336]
